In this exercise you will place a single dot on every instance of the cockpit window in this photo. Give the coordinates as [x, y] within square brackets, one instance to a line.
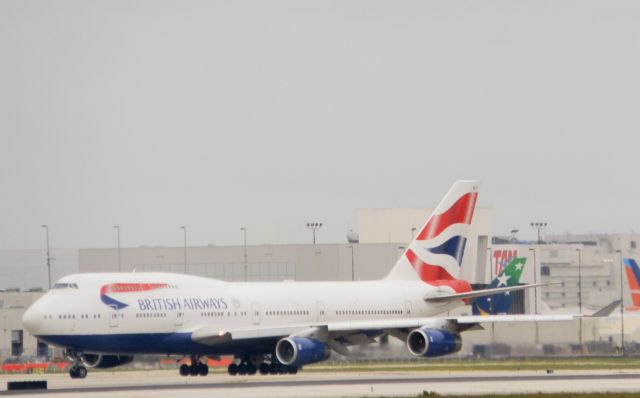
[65, 286]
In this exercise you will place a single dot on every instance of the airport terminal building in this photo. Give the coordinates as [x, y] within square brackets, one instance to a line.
[586, 271]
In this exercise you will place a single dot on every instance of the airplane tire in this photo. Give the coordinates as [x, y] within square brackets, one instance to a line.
[293, 370]
[242, 369]
[73, 373]
[203, 369]
[81, 372]
[251, 369]
[232, 369]
[184, 370]
[264, 369]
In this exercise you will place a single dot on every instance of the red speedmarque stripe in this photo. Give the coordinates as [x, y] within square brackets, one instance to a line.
[130, 287]
[427, 272]
[436, 275]
[460, 213]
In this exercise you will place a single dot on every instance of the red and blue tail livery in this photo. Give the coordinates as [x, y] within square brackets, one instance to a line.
[125, 288]
[435, 255]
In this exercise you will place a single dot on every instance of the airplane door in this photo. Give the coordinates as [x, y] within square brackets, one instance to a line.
[407, 308]
[114, 319]
[179, 318]
[321, 311]
[256, 313]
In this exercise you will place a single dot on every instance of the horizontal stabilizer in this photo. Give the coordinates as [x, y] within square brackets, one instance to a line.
[606, 310]
[480, 293]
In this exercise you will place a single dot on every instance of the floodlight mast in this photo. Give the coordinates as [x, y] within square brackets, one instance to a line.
[539, 225]
[313, 226]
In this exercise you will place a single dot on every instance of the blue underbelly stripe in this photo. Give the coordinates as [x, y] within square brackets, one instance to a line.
[156, 343]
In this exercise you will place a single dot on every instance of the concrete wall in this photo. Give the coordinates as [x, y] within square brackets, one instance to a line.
[323, 262]
[12, 306]
[564, 264]
[28, 268]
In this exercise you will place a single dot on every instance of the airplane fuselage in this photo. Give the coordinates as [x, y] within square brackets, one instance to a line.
[132, 313]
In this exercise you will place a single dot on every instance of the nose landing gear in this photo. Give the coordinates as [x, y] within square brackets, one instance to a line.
[77, 369]
[78, 372]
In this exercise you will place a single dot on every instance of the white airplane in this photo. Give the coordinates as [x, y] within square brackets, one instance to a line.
[103, 319]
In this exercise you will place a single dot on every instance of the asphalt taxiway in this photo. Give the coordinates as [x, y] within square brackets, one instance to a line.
[165, 383]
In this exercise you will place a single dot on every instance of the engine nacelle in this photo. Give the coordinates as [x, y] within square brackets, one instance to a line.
[426, 342]
[298, 351]
[100, 361]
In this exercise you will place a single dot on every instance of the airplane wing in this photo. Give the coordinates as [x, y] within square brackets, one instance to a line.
[357, 332]
[340, 335]
[477, 319]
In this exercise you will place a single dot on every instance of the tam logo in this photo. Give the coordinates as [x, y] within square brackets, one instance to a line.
[107, 290]
[502, 258]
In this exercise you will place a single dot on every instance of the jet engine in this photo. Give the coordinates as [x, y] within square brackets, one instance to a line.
[100, 361]
[426, 342]
[298, 351]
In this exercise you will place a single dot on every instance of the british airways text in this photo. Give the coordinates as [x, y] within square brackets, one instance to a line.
[169, 304]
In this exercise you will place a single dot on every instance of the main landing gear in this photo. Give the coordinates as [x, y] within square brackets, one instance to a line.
[77, 369]
[196, 368]
[266, 365]
[247, 366]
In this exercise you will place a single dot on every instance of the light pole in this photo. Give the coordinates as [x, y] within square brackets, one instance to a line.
[117, 228]
[535, 280]
[514, 238]
[580, 296]
[493, 325]
[621, 304]
[313, 226]
[352, 264]
[539, 225]
[184, 229]
[535, 291]
[244, 231]
[46, 231]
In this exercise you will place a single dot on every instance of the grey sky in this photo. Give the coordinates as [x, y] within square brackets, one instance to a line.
[216, 115]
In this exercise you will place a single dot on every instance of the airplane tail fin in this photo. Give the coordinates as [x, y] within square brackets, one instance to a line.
[435, 255]
[633, 278]
[500, 303]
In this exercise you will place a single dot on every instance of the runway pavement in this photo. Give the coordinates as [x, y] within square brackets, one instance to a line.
[163, 383]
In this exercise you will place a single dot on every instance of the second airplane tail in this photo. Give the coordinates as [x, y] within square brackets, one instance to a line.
[500, 303]
[633, 278]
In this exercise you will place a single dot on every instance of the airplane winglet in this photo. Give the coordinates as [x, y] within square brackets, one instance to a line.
[606, 310]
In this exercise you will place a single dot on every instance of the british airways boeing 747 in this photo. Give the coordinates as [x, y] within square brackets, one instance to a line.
[104, 319]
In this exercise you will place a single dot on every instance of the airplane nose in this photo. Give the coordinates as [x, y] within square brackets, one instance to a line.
[32, 319]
